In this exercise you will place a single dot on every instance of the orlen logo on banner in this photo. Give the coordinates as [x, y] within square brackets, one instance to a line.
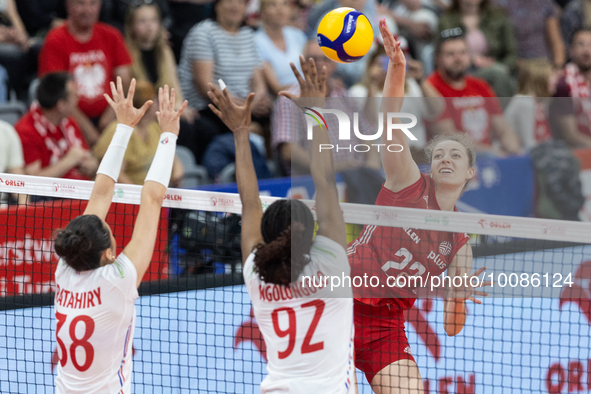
[486, 224]
[10, 182]
[316, 115]
[58, 187]
[173, 197]
[222, 202]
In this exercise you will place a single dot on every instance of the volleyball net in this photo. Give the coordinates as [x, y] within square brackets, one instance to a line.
[195, 330]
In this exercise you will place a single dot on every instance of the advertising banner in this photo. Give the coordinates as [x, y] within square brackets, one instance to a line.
[27, 257]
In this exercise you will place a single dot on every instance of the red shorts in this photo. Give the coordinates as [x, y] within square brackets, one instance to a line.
[380, 339]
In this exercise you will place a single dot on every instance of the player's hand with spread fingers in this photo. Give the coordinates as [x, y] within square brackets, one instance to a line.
[126, 113]
[168, 118]
[312, 85]
[236, 117]
[392, 47]
[465, 291]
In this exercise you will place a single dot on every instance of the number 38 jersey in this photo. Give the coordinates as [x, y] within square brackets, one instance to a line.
[308, 330]
[95, 314]
[390, 251]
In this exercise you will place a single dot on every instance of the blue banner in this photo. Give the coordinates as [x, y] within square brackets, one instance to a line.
[500, 186]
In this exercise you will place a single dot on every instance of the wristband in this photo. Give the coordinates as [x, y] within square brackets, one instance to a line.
[161, 167]
[111, 163]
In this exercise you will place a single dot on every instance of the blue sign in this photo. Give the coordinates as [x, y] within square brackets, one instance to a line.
[500, 186]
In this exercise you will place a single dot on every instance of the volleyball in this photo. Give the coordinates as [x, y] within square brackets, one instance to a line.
[345, 35]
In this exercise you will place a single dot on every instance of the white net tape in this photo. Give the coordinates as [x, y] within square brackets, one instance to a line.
[497, 225]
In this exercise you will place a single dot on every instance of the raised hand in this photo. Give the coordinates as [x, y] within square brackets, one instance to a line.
[465, 291]
[236, 117]
[168, 118]
[392, 47]
[312, 86]
[126, 113]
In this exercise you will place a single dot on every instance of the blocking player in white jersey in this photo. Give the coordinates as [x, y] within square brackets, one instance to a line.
[96, 291]
[308, 330]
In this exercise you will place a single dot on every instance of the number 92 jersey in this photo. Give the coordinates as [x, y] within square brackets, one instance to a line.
[95, 316]
[385, 252]
[308, 330]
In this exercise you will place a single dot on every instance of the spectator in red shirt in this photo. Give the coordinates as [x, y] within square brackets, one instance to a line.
[53, 144]
[95, 54]
[471, 105]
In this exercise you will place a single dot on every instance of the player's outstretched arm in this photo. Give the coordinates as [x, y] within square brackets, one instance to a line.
[141, 247]
[108, 171]
[237, 118]
[401, 170]
[455, 312]
[312, 94]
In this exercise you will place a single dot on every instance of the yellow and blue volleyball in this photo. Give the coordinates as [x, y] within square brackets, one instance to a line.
[345, 35]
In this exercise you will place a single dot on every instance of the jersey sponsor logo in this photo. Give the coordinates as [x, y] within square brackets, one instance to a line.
[426, 198]
[412, 234]
[119, 269]
[59, 187]
[328, 252]
[173, 197]
[73, 300]
[407, 350]
[445, 248]
[437, 259]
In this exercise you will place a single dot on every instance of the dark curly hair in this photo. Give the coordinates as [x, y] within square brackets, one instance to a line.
[287, 228]
[83, 242]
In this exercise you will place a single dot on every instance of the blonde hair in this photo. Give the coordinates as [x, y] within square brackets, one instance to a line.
[161, 50]
[461, 138]
[533, 77]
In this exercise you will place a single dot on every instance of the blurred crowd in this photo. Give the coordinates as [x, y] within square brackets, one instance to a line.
[487, 68]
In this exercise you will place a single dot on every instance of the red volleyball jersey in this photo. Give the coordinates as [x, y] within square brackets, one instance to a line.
[388, 251]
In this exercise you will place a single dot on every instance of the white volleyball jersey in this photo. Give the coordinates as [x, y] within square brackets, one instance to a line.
[95, 316]
[308, 330]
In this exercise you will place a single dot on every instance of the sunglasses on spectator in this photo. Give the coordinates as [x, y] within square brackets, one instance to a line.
[139, 3]
[451, 33]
